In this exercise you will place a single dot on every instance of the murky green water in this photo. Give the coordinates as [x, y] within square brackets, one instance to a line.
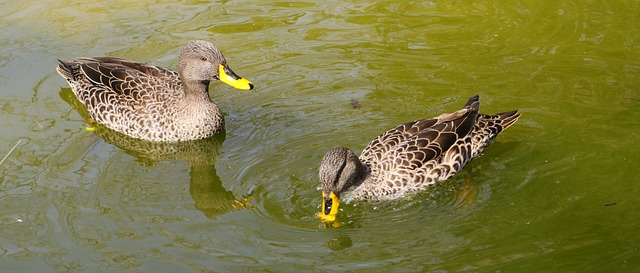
[557, 192]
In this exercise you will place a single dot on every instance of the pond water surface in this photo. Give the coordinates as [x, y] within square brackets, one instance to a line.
[556, 192]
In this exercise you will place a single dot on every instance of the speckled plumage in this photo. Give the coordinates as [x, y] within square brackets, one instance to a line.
[150, 102]
[414, 155]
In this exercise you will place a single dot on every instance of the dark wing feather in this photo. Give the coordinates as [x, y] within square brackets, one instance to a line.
[391, 138]
[150, 70]
[420, 148]
[131, 78]
[412, 145]
[115, 85]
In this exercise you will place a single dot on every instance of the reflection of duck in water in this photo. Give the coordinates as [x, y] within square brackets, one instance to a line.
[410, 157]
[210, 196]
[150, 102]
[201, 155]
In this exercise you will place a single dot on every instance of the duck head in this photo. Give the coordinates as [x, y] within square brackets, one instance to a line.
[340, 171]
[202, 61]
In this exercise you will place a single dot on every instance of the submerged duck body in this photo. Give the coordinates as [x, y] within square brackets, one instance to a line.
[154, 103]
[409, 157]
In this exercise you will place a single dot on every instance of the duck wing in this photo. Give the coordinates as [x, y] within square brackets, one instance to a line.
[130, 78]
[413, 145]
[121, 76]
[118, 92]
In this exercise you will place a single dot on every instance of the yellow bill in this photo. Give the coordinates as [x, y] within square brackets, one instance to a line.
[229, 77]
[329, 207]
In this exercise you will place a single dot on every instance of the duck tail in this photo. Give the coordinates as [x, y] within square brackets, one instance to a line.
[488, 127]
[507, 118]
[65, 70]
[473, 103]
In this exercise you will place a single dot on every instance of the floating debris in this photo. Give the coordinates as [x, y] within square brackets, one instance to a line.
[355, 104]
[11, 151]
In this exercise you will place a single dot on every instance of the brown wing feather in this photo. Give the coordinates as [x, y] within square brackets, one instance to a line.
[411, 145]
[151, 70]
[130, 78]
[120, 86]
[389, 139]
[414, 152]
[430, 144]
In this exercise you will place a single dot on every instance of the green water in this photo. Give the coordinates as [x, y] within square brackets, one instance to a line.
[556, 192]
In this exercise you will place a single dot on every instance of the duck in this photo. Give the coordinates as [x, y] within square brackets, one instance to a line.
[410, 157]
[153, 103]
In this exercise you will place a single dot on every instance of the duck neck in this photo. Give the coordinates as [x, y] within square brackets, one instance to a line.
[196, 90]
[361, 174]
[365, 171]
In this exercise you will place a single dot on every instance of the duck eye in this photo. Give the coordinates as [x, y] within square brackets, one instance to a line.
[203, 58]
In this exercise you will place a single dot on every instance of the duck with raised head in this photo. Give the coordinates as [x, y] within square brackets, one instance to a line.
[150, 102]
[409, 157]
